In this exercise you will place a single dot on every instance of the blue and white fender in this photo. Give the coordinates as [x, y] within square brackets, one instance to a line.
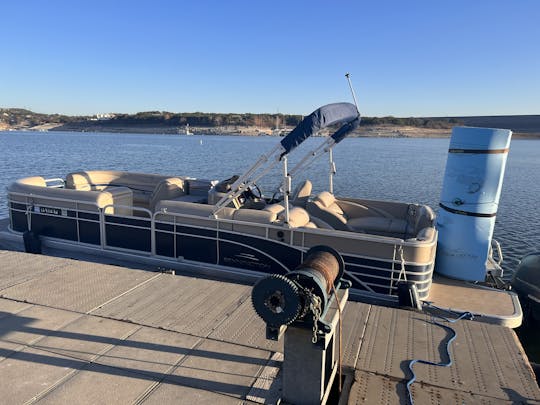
[469, 200]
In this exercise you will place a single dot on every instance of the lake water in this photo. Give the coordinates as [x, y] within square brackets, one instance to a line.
[403, 169]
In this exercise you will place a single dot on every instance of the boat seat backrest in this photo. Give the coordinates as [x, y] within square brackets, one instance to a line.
[324, 206]
[259, 217]
[328, 201]
[298, 217]
[199, 187]
[39, 194]
[425, 218]
[301, 194]
[352, 216]
[33, 181]
[142, 184]
[91, 180]
[276, 208]
[167, 189]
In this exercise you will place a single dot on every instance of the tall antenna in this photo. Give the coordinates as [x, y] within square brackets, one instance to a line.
[348, 76]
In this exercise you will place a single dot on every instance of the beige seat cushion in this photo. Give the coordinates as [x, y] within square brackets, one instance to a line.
[257, 216]
[298, 217]
[301, 194]
[327, 200]
[274, 208]
[378, 225]
[92, 179]
[351, 216]
[69, 198]
[142, 184]
[33, 181]
[167, 189]
[324, 207]
[425, 234]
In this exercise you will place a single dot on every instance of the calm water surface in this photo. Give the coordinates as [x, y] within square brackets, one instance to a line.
[397, 169]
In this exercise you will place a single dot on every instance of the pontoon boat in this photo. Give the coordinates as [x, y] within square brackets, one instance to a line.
[229, 225]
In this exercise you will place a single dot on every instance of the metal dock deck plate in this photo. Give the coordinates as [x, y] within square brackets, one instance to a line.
[78, 332]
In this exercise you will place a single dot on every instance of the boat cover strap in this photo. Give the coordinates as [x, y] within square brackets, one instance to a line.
[345, 130]
[321, 118]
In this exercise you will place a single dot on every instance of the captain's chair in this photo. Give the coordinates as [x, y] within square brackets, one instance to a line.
[301, 194]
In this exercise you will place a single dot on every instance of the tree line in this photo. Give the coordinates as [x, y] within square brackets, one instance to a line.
[18, 116]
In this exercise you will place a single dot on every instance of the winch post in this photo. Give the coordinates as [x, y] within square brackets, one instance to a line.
[309, 369]
[305, 306]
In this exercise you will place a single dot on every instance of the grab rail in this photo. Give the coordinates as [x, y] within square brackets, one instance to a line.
[499, 251]
[56, 179]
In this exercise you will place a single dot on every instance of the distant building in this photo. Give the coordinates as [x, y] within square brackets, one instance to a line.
[102, 117]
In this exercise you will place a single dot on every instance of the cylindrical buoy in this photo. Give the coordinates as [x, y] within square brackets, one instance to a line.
[469, 200]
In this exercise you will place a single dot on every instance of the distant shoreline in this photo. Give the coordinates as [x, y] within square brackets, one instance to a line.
[383, 131]
[249, 124]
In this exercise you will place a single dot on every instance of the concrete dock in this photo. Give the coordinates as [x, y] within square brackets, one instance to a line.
[78, 332]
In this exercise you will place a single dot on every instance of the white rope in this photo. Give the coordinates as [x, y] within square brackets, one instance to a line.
[402, 271]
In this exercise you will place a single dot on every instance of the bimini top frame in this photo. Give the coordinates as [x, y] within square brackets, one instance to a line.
[331, 114]
[329, 144]
[326, 147]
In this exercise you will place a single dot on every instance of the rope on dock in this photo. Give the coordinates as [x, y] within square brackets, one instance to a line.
[464, 315]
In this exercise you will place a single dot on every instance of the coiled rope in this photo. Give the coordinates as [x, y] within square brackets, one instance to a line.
[464, 315]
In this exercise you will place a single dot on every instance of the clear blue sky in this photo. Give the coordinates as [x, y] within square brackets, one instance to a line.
[406, 58]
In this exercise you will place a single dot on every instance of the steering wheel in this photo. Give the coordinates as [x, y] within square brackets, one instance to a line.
[253, 193]
[277, 197]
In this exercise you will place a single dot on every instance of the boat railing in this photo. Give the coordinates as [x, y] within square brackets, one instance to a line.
[30, 199]
[142, 219]
[283, 227]
[130, 220]
[76, 206]
[396, 272]
[104, 222]
[31, 204]
[497, 245]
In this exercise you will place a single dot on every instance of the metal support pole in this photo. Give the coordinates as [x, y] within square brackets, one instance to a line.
[286, 189]
[332, 171]
[348, 76]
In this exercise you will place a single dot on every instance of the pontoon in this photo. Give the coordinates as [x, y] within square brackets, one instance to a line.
[228, 225]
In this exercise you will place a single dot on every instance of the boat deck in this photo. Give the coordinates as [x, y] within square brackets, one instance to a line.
[78, 332]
